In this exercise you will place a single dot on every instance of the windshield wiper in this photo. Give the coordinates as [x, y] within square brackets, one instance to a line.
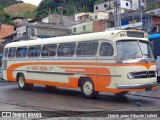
[134, 55]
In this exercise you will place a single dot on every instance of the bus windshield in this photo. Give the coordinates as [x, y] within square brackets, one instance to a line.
[131, 49]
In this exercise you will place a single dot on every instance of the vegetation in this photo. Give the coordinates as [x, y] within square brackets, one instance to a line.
[67, 7]
[46, 7]
[154, 4]
[22, 10]
[6, 3]
[4, 17]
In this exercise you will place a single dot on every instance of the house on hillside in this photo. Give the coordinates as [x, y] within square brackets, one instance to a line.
[89, 22]
[125, 5]
[49, 26]
[5, 30]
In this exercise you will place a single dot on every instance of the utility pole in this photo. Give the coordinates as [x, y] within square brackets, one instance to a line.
[61, 15]
[141, 15]
[62, 8]
[117, 17]
[28, 30]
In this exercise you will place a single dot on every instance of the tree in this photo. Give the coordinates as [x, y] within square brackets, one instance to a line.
[70, 7]
[2, 15]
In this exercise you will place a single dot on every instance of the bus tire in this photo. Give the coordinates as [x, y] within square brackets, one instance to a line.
[87, 89]
[121, 93]
[21, 83]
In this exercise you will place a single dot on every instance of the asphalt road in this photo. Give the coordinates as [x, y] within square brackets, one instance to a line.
[70, 102]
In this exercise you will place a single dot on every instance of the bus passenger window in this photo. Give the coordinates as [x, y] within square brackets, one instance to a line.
[5, 52]
[106, 49]
[87, 48]
[11, 53]
[49, 50]
[66, 49]
[21, 52]
[34, 51]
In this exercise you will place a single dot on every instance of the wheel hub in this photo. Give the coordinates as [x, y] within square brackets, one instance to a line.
[88, 87]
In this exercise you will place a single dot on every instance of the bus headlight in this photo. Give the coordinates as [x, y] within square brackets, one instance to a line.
[156, 73]
[130, 76]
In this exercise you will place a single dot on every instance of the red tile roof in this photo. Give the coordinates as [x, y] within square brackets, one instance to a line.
[6, 30]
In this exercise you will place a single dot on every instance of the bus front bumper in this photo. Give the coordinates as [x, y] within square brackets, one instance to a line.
[135, 86]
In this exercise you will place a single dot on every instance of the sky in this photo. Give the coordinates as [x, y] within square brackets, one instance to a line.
[35, 2]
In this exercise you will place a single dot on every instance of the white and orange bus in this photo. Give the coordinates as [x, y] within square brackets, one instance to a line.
[113, 61]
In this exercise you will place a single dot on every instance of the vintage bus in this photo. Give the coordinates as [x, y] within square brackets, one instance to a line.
[113, 61]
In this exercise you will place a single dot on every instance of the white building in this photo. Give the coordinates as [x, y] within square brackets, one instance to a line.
[124, 4]
[82, 17]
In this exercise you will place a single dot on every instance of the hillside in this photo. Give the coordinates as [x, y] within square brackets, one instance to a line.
[70, 7]
[20, 9]
[6, 3]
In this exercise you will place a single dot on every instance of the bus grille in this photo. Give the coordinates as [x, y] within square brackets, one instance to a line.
[143, 74]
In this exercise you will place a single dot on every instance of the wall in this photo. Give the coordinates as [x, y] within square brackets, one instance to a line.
[51, 32]
[99, 25]
[20, 31]
[64, 21]
[101, 7]
[125, 4]
[80, 30]
[45, 20]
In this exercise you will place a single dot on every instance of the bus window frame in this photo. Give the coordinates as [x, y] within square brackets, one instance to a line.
[100, 48]
[34, 56]
[49, 56]
[6, 55]
[58, 46]
[87, 55]
[14, 53]
[26, 53]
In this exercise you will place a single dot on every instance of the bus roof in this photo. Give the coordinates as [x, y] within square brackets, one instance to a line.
[152, 36]
[65, 39]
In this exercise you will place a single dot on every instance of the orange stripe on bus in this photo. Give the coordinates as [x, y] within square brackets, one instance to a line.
[15, 66]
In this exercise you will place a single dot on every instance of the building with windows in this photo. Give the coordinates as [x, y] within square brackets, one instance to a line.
[82, 17]
[133, 19]
[109, 5]
[89, 26]
[89, 22]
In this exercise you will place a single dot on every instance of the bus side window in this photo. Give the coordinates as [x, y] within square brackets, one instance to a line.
[11, 53]
[34, 51]
[66, 49]
[21, 52]
[87, 48]
[106, 49]
[49, 50]
[5, 52]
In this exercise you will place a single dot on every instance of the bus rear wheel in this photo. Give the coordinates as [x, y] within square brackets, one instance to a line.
[87, 89]
[21, 83]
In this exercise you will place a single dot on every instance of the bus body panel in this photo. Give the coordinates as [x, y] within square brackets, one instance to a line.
[105, 72]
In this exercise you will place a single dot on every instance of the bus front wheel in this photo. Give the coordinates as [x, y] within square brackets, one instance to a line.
[87, 89]
[21, 83]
